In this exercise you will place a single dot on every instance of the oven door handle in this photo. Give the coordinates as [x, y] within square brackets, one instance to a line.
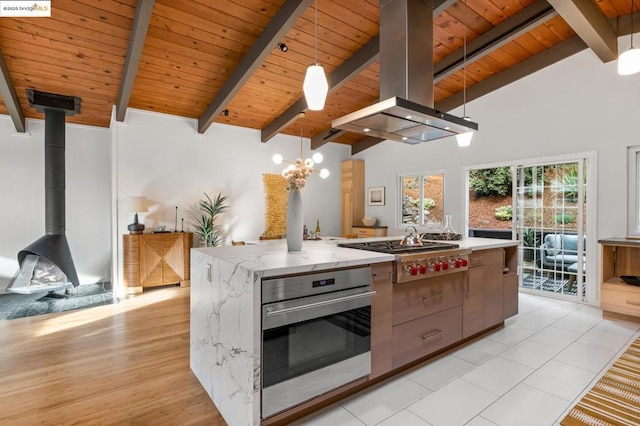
[318, 304]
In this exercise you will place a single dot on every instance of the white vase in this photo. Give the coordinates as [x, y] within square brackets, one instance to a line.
[294, 221]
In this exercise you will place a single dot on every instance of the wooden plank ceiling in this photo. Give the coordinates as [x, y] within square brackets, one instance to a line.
[193, 50]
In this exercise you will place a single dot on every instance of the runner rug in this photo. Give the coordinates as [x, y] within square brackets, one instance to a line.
[615, 399]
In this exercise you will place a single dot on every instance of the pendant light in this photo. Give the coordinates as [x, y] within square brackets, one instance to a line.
[315, 84]
[464, 139]
[629, 61]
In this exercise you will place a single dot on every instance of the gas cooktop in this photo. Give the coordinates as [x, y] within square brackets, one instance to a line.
[394, 246]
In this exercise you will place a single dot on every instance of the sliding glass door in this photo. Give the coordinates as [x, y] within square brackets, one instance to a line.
[551, 222]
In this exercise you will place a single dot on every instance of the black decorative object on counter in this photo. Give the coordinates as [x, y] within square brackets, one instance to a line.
[631, 279]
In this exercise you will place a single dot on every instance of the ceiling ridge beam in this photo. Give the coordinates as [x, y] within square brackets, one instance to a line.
[586, 19]
[353, 66]
[550, 56]
[10, 97]
[277, 28]
[495, 38]
[141, 20]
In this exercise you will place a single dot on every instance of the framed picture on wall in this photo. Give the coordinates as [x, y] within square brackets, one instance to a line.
[376, 196]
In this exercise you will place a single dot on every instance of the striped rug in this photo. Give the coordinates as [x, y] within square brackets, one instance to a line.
[615, 399]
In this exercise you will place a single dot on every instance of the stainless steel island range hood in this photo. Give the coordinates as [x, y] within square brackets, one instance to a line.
[406, 112]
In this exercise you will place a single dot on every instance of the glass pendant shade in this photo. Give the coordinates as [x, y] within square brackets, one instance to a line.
[464, 139]
[629, 62]
[315, 87]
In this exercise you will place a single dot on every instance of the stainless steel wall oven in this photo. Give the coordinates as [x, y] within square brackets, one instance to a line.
[316, 335]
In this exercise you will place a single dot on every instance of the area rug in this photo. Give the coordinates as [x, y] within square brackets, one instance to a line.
[25, 305]
[555, 285]
[615, 398]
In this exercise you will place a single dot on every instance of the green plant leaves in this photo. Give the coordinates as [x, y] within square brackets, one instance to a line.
[206, 227]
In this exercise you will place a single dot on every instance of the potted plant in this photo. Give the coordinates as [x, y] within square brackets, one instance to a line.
[530, 241]
[206, 227]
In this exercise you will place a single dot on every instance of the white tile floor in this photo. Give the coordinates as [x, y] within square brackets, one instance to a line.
[528, 373]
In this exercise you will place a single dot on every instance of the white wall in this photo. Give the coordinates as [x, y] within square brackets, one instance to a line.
[87, 196]
[574, 106]
[163, 158]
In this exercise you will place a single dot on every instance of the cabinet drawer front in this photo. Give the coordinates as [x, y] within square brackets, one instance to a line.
[620, 298]
[491, 258]
[416, 339]
[364, 232]
[416, 299]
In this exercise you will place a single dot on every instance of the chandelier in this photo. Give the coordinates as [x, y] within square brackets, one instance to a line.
[297, 172]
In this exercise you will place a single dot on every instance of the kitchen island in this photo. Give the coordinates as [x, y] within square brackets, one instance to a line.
[225, 338]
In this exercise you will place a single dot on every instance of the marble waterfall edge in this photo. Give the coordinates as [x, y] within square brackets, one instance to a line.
[222, 339]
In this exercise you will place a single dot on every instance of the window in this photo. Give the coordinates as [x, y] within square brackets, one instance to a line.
[633, 188]
[422, 199]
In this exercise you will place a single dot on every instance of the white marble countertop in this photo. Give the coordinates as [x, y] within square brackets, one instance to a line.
[271, 258]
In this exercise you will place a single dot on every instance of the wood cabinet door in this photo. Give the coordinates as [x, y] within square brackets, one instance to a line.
[493, 287]
[173, 268]
[509, 295]
[151, 260]
[473, 302]
[381, 305]
[347, 212]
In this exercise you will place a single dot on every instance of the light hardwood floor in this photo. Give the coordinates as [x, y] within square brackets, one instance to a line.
[126, 363]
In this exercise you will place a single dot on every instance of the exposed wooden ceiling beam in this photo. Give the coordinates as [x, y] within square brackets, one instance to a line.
[495, 38]
[544, 59]
[327, 136]
[365, 143]
[277, 28]
[10, 97]
[591, 25]
[353, 66]
[144, 9]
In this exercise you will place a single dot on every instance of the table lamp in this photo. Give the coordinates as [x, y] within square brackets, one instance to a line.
[137, 204]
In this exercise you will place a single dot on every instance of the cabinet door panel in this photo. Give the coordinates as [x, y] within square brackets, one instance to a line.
[510, 295]
[381, 319]
[173, 256]
[151, 260]
[493, 288]
[473, 302]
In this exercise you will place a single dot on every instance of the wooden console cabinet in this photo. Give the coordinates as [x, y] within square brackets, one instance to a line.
[152, 260]
[618, 299]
